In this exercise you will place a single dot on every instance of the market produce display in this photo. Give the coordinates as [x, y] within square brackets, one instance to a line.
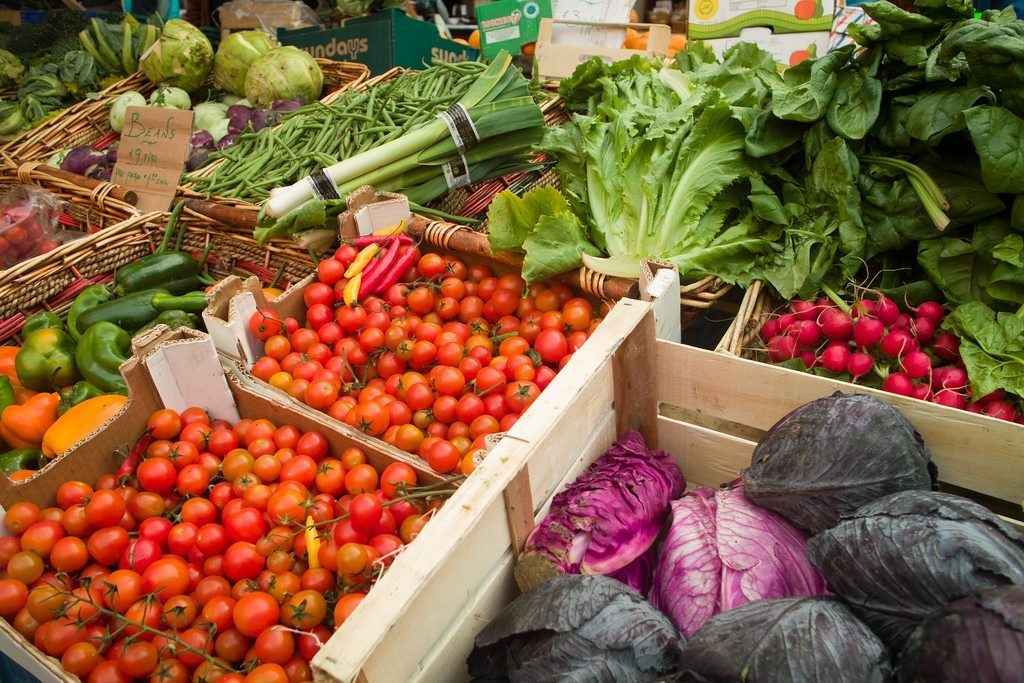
[62, 61]
[749, 594]
[282, 79]
[422, 350]
[217, 549]
[488, 132]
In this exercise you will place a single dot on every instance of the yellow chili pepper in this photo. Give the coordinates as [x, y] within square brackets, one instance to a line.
[362, 258]
[396, 229]
[312, 544]
[351, 292]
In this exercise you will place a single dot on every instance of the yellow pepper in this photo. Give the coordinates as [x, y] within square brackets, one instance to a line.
[395, 229]
[351, 292]
[80, 421]
[312, 544]
[362, 258]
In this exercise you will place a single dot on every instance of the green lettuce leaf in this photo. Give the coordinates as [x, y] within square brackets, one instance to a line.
[992, 347]
[555, 247]
[511, 219]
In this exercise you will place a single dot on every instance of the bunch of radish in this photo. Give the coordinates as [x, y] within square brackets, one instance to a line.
[874, 341]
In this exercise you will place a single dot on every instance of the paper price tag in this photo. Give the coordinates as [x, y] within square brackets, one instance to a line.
[154, 147]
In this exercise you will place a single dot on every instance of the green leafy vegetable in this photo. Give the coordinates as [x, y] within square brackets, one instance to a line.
[992, 347]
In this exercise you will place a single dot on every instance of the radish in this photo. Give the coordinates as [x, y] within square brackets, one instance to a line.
[997, 395]
[886, 310]
[939, 376]
[955, 379]
[946, 346]
[902, 322]
[898, 383]
[809, 358]
[836, 325]
[917, 364]
[897, 344]
[782, 348]
[1001, 410]
[770, 329]
[805, 310]
[950, 398]
[923, 329]
[975, 408]
[807, 332]
[862, 308]
[931, 310]
[786, 321]
[868, 331]
[836, 357]
[922, 392]
[859, 365]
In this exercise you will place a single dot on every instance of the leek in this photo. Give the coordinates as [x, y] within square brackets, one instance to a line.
[499, 104]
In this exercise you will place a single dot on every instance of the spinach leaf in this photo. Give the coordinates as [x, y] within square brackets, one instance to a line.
[998, 135]
[956, 268]
[855, 105]
[991, 346]
[893, 21]
[1017, 213]
[937, 114]
[808, 87]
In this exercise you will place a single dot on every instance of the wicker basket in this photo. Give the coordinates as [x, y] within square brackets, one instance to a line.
[51, 281]
[86, 123]
[741, 339]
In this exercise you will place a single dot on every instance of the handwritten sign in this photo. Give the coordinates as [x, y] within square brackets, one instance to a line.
[598, 11]
[154, 147]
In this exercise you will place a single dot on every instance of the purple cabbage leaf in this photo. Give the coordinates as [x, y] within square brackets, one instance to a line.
[722, 551]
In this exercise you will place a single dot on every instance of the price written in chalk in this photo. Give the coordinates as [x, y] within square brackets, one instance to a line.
[154, 147]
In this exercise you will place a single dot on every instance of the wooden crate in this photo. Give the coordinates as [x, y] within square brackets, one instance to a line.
[175, 369]
[706, 409]
[556, 60]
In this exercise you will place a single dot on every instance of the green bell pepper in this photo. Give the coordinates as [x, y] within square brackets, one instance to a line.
[193, 302]
[173, 320]
[102, 349]
[42, 321]
[175, 271]
[19, 459]
[88, 299]
[46, 360]
[82, 391]
[6, 393]
[129, 312]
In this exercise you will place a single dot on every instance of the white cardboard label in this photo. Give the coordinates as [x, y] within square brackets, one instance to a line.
[187, 374]
[599, 11]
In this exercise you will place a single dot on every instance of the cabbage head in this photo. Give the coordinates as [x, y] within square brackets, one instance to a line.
[605, 519]
[234, 56]
[574, 628]
[182, 57]
[792, 639]
[897, 560]
[833, 455]
[283, 73]
[980, 638]
[721, 552]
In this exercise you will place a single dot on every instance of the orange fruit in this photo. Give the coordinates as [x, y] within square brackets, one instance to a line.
[474, 39]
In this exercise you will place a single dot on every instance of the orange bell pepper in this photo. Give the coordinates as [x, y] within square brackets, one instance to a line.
[23, 426]
[7, 354]
[23, 395]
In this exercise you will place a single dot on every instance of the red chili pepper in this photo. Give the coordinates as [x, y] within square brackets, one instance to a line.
[127, 468]
[381, 270]
[366, 241]
[405, 259]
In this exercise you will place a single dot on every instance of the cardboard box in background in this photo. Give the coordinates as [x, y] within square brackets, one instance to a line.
[788, 49]
[239, 15]
[381, 42]
[727, 18]
[510, 24]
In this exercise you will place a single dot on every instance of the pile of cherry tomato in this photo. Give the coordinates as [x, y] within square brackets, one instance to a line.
[228, 555]
[447, 356]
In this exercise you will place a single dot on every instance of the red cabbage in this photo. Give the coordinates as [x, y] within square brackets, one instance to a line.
[605, 519]
[980, 638]
[577, 628]
[792, 639]
[721, 551]
[638, 573]
[831, 456]
[900, 558]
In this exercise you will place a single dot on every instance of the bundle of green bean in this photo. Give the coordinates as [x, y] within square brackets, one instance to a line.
[319, 135]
